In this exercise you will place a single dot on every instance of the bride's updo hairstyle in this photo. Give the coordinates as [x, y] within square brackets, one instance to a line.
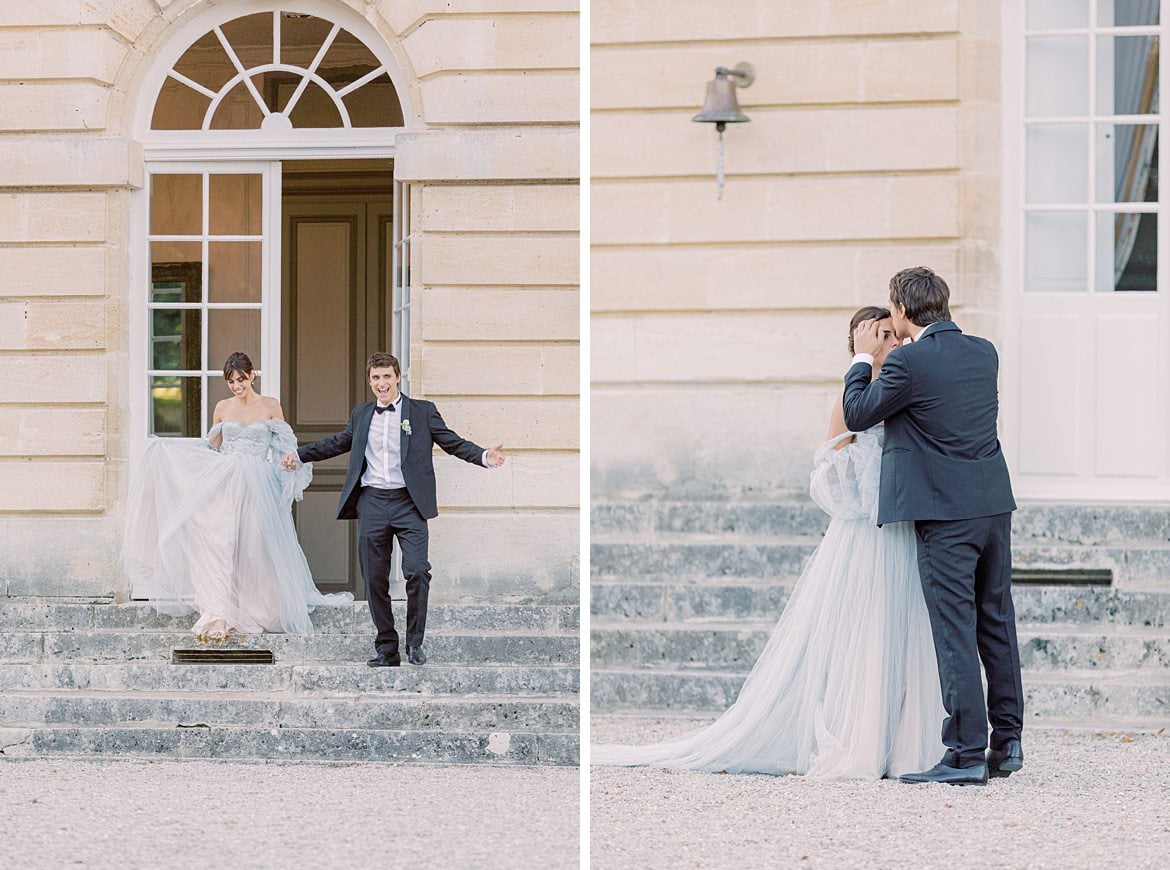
[239, 362]
[869, 312]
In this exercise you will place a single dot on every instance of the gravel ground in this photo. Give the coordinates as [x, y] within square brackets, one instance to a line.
[1084, 799]
[177, 814]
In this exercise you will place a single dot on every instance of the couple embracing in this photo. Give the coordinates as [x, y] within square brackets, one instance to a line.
[212, 531]
[873, 669]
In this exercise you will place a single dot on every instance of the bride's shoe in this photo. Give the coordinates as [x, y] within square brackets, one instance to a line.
[217, 631]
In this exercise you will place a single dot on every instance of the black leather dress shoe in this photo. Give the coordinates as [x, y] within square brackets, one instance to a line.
[976, 775]
[385, 660]
[1006, 760]
[415, 655]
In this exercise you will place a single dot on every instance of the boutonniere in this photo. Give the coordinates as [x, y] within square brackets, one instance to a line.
[406, 426]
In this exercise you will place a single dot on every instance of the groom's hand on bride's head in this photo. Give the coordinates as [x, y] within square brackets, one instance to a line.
[866, 338]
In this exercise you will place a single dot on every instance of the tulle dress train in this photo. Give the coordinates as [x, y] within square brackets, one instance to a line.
[847, 686]
[212, 532]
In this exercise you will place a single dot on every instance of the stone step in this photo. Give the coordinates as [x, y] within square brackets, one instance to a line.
[295, 744]
[136, 645]
[720, 598]
[1069, 694]
[352, 679]
[378, 712]
[1078, 524]
[776, 558]
[35, 614]
[736, 646]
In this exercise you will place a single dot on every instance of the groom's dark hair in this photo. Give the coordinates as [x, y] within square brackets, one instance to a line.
[925, 295]
[383, 360]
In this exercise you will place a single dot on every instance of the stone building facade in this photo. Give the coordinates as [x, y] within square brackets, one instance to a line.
[1012, 147]
[423, 198]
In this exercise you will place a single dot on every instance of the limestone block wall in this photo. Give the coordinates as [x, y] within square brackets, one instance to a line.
[719, 328]
[492, 159]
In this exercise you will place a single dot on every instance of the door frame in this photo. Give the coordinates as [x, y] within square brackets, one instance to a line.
[167, 161]
[1015, 305]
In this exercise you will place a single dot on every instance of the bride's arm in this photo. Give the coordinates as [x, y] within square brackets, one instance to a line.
[837, 425]
[216, 440]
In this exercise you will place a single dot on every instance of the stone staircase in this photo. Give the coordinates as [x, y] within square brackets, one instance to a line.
[90, 677]
[685, 594]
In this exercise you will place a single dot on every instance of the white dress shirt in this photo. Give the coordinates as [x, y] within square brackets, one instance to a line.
[384, 449]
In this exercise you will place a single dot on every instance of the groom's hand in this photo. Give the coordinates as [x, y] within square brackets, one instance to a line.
[290, 462]
[495, 456]
[866, 338]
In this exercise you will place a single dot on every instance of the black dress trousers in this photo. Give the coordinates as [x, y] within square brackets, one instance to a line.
[383, 515]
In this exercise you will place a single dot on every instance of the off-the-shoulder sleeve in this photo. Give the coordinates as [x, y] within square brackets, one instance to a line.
[844, 483]
[292, 483]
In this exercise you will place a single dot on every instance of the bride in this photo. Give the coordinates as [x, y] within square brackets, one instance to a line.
[209, 524]
[847, 686]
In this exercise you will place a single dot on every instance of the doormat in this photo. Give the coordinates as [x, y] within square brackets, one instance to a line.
[222, 657]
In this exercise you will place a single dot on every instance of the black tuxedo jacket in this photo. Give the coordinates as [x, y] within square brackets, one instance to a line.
[426, 429]
[939, 398]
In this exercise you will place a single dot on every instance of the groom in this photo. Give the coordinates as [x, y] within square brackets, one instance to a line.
[390, 490]
[942, 469]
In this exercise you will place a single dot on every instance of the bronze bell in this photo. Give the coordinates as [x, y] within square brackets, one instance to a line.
[721, 106]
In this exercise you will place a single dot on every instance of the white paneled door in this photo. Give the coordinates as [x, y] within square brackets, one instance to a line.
[1086, 367]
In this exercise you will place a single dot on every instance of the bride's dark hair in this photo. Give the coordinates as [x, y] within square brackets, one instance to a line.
[869, 312]
[238, 362]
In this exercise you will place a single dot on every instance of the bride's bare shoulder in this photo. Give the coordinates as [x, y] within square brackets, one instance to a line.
[272, 405]
[837, 424]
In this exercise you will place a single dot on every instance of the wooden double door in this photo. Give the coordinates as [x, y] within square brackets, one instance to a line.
[337, 238]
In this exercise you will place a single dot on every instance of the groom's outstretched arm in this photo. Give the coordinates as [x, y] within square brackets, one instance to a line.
[329, 447]
[867, 402]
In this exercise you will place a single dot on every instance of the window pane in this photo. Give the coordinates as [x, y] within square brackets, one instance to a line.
[1127, 75]
[374, 104]
[179, 107]
[231, 331]
[207, 63]
[1057, 76]
[237, 111]
[176, 272]
[235, 204]
[234, 271]
[251, 38]
[315, 108]
[1057, 14]
[1127, 252]
[174, 339]
[175, 406]
[301, 35]
[1057, 163]
[1127, 13]
[176, 205]
[1056, 252]
[1127, 156]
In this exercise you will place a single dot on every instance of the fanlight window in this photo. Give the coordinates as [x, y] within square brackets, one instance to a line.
[277, 71]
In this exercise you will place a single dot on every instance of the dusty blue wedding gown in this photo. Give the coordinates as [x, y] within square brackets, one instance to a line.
[847, 686]
[212, 532]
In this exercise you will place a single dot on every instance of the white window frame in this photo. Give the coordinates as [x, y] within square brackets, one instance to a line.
[400, 281]
[213, 150]
[1014, 209]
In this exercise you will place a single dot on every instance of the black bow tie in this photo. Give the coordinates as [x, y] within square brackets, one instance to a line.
[378, 409]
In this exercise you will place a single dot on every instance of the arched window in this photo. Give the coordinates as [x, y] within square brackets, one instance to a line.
[277, 71]
[231, 101]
